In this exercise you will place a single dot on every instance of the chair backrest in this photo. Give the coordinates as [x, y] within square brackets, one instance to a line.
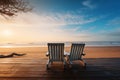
[56, 51]
[76, 51]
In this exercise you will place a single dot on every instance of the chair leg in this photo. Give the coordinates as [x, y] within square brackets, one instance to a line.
[47, 65]
[85, 65]
[70, 64]
[64, 67]
[64, 63]
[51, 62]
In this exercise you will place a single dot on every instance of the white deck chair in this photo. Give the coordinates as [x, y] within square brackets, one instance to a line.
[55, 53]
[76, 53]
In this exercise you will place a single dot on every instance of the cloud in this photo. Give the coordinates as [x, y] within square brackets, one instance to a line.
[115, 21]
[114, 33]
[71, 18]
[36, 27]
[51, 19]
[110, 36]
[89, 4]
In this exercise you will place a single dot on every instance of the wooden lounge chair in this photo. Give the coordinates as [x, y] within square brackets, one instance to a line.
[76, 53]
[55, 53]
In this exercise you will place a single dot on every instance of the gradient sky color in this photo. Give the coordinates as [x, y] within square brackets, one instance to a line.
[64, 20]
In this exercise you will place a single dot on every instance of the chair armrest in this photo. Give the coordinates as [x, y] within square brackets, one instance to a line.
[83, 54]
[47, 54]
[66, 53]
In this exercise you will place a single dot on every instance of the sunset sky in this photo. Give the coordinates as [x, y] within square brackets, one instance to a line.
[64, 20]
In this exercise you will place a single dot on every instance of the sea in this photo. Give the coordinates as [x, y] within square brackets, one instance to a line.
[67, 44]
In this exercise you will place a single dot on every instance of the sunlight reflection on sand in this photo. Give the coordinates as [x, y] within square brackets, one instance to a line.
[7, 46]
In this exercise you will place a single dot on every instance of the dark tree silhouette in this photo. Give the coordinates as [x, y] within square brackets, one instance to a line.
[12, 7]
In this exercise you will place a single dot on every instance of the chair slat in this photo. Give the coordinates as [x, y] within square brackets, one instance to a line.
[76, 51]
[56, 51]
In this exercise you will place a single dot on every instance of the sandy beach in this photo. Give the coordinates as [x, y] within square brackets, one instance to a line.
[102, 64]
[91, 51]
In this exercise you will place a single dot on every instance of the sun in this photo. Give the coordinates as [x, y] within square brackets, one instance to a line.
[7, 32]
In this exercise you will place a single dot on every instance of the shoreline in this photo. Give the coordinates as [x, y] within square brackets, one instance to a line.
[91, 51]
[47, 46]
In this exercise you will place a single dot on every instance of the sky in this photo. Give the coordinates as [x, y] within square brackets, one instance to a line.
[64, 20]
